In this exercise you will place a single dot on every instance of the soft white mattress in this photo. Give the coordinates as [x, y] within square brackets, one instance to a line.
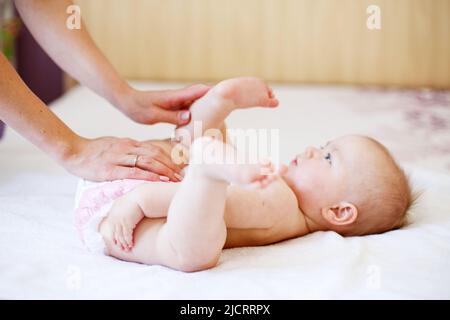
[42, 257]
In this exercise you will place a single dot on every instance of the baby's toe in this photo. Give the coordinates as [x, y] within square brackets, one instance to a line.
[273, 103]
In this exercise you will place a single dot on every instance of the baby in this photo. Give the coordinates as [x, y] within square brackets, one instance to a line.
[351, 186]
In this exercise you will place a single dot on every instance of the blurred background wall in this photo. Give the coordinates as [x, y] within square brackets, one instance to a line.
[36, 68]
[300, 41]
[287, 41]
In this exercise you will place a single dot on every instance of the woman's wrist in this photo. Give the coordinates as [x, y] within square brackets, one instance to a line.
[119, 95]
[67, 147]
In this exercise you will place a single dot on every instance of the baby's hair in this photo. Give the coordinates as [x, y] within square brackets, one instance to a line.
[411, 202]
[386, 204]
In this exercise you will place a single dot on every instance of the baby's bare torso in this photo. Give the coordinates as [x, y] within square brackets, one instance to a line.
[253, 217]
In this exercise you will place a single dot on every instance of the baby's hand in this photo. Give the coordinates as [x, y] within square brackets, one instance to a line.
[269, 172]
[123, 217]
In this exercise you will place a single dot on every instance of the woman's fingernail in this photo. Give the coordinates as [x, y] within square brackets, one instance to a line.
[164, 178]
[185, 115]
[179, 177]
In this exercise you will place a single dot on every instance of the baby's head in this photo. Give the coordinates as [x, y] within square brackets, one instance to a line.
[352, 185]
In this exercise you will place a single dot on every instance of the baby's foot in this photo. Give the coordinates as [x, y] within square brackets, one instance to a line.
[214, 159]
[245, 92]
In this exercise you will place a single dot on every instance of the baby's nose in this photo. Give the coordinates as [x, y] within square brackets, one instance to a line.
[310, 152]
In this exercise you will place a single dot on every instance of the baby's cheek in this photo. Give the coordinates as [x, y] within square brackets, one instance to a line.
[309, 182]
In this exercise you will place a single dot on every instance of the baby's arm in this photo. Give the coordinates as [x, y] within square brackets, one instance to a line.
[122, 219]
[149, 200]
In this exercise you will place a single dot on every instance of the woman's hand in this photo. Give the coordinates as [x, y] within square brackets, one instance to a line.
[150, 107]
[110, 158]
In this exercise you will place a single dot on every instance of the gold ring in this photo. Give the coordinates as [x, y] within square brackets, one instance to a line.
[135, 160]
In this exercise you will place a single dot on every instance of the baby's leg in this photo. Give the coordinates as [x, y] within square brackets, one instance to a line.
[211, 110]
[194, 233]
[149, 200]
[191, 237]
[214, 107]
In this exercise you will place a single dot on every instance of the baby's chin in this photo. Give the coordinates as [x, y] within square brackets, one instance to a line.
[290, 180]
[288, 175]
[293, 171]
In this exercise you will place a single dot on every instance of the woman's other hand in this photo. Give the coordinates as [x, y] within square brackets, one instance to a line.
[151, 107]
[109, 158]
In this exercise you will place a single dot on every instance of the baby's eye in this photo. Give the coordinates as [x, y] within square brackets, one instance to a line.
[328, 157]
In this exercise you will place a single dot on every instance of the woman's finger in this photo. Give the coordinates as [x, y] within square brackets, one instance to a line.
[157, 153]
[119, 172]
[126, 160]
[168, 162]
[176, 99]
[150, 164]
[150, 158]
[175, 117]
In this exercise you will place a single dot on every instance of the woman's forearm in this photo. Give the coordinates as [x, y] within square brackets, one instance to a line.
[73, 50]
[29, 116]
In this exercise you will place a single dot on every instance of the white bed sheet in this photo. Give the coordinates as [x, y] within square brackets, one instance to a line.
[42, 257]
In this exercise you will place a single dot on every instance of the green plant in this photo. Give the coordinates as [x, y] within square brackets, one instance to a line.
[9, 27]
[7, 43]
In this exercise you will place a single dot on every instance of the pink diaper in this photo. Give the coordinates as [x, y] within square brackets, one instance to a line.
[92, 204]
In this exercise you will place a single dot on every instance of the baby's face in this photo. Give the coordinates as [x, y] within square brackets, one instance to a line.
[323, 176]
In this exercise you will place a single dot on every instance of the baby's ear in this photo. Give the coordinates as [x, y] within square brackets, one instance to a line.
[340, 214]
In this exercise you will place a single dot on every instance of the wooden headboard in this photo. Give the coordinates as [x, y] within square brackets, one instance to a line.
[307, 41]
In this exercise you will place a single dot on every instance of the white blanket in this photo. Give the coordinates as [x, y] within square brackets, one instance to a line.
[42, 257]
